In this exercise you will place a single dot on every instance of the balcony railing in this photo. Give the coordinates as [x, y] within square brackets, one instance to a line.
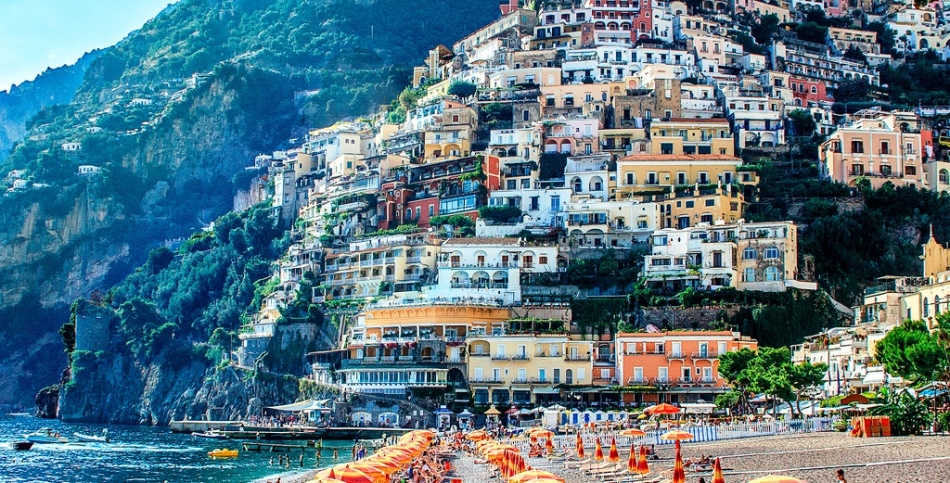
[520, 357]
[539, 380]
[551, 354]
[487, 380]
[637, 381]
[499, 357]
[705, 355]
[478, 354]
[675, 355]
[520, 381]
[576, 358]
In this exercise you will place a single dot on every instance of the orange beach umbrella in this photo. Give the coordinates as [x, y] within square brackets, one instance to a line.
[549, 444]
[531, 475]
[598, 451]
[633, 432]
[664, 408]
[632, 459]
[613, 456]
[477, 436]
[347, 475]
[679, 473]
[676, 436]
[642, 466]
[579, 443]
[717, 472]
[777, 479]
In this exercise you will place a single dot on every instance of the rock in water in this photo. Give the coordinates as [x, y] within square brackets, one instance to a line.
[47, 402]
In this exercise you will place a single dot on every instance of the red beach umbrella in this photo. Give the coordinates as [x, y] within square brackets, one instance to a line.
[632, 459]
[613, 456]
[598, 451]
[717, 472]
[579, 443]
[642, 466]
[679, 473]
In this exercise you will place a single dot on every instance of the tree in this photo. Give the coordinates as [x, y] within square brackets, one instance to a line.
[885, 37]
[805, 377]
[855, 54]
[803, 122]
[462, 89]
[811, 32]
[852, 91]
[734, 367]
[765, 28]
[912, 352]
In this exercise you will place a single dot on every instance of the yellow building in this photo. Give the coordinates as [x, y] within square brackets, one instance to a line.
[378, 266]
[660, 173]
[692, 136]
[525, 362]
[395, 347]
[451, 137]
[687, 207]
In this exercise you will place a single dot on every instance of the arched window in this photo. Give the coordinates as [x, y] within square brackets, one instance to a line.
[814, 90]
[772, 274]
[944, 176]
[749, 254]
[408, 213]
[577, 185]
[771, 253]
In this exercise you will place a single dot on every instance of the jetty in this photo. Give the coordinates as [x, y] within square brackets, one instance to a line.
[242, 430]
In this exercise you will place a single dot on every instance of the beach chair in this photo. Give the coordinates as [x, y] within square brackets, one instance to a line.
[578, 463]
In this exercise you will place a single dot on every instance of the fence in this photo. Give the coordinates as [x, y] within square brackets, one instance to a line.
[704, 433]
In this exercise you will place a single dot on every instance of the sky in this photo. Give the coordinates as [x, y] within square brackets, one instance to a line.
[36, 34]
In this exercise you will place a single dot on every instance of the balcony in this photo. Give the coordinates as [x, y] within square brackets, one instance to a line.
[551, 354]
[675, 355]
[685, 382]
[499, 357]
[604, 359]
[520, 381]
[487, 381]
[520, 357]
[661, 380]
[576, 358]
[705, 355]
[539, 380]
[637, 381]
[478, 354]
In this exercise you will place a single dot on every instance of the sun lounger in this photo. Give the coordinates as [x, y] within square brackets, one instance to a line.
[578, 463]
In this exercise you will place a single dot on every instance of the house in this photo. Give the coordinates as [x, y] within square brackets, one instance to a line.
[381, 265]
[674, 367]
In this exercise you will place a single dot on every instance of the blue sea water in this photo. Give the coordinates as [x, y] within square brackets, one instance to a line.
[138, 454]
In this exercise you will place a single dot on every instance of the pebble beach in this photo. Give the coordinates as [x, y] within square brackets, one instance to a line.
[812, 457]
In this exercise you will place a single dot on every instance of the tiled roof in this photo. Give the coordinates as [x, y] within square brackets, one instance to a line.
[482, 241]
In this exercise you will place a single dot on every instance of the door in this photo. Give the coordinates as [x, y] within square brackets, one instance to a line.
[478, 374]
[677, 349]
[454, 354]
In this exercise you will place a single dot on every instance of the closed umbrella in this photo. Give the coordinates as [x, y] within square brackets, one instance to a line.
[642, 466]
[598, 451]
[679, 473]
[632, 459]
[717, 472]
[777, 479]
[549, 444]
[613, 456]
[579, 443]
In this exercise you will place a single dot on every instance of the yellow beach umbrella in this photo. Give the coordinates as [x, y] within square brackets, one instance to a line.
[579, 444]
[346, 475]
[676, 436]
[632, 460]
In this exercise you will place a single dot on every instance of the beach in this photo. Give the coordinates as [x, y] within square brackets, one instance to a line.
[812, 457]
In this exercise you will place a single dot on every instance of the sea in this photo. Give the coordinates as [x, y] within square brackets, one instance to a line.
[141, 454]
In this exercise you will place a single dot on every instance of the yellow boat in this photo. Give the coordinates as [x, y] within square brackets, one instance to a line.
[223, 453]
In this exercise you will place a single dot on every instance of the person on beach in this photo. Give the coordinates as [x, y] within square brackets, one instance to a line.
[840, 475]
[336, 454]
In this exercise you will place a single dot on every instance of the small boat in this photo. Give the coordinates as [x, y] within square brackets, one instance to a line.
[223, 453]
[22, 445]
[209, 435]
[46, 435]
[85, 438]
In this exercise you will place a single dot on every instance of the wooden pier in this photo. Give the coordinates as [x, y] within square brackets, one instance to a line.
[240, 430]
[275, 448]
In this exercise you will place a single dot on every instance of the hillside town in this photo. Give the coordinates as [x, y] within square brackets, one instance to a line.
[437, 232]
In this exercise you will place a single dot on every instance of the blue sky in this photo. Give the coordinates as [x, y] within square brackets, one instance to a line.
[36, 34]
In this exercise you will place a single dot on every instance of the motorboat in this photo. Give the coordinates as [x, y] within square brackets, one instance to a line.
[223, 453]
[22, 445]
[46, 435]
[85, 438]
[209, 435]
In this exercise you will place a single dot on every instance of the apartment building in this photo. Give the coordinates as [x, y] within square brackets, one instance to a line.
[379, 266]
[674, 367]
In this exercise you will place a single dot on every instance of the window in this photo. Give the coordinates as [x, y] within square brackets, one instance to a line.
[543, 259]
[555, 204]
[857, 169]
[631, 179]
[663, 374]
[857, 147]
[885, 147]
[772, 274]
[749, 254]
[408, 213]
[431, 210]
[772, 253]
[749, 275]
[711, 202]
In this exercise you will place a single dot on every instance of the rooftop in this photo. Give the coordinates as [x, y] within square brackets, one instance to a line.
[680, 157]
[482, 241]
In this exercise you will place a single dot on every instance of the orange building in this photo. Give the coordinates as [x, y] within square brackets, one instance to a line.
[675, 367]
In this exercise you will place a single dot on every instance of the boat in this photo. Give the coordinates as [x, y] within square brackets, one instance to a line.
[85, 438]
[223, 453]
[22, 445]
[209, 435]
[46, 435]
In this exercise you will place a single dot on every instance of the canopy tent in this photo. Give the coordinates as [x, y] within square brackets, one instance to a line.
[698, 408]
[308, 405]
[465, 414]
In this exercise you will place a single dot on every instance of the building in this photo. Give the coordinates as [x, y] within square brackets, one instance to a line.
[877, 146]
[677, 136]
[674, 367]
[639, 175]
[379, 266]
[745, 256]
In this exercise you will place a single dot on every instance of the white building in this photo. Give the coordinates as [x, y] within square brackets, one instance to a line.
[589, 175]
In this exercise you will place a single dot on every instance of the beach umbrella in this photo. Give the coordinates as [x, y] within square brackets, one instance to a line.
[579, 443]
[663, 408]
[679, 472]
[598, 451]
[326, 480]
[549, 444]
[479, 435]
[542, 433]
[632, 459]
[676, 436]
[382, 462]
[613, 456]
[376, 473]
[531, 475]
[777, 479]
[633, 432]
[347, 475]
[642, 466]
[717, 472]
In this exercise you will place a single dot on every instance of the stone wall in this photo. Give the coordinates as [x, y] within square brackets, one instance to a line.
[691, 318]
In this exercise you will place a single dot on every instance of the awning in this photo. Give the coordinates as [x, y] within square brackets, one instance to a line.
[929, 393]
[546, 390]
[876, 377]
[308, 405]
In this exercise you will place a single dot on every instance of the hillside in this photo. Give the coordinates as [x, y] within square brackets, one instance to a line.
[21, 102]
[170, 117]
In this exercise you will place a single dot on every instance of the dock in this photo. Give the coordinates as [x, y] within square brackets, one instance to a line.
[241, 430]
[275, 448]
